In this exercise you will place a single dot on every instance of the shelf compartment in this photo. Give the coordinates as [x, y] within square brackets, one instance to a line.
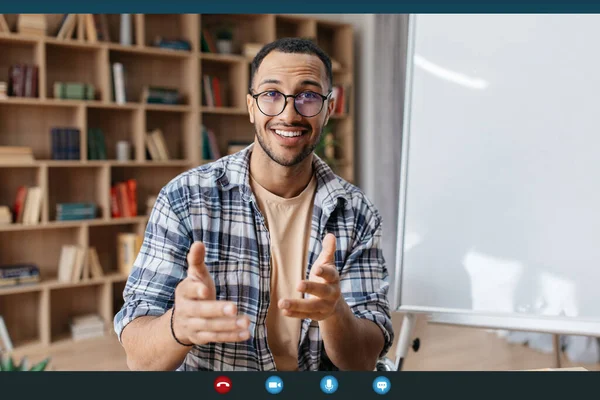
[18, 52]
[149, 181]
[75, 185]
[233, 81]
[18, 128]
[118, 287]
[116, 125]
[69, 302]
[170, 27]
[173, 127]
[234, 128]
[39, 247]
[13, 178]
[145, 69]
[80, 64]
[104, 240]
[336, 40]
[247, 28]
[22, 315]
[294, 26]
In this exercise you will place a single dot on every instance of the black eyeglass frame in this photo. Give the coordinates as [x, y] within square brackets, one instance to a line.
[286, 96]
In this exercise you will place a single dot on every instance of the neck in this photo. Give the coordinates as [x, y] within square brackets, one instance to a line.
[282, 181]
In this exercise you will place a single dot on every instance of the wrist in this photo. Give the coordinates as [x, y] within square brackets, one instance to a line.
[177, 338]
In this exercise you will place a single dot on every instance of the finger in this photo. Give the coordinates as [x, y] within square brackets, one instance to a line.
[207, 309]
[312, 305]
[222, 337]
[197, 290]
[327, 255]
[196, 267]
[320, 290]
[219, 324]
[303, 315]
[328, 273]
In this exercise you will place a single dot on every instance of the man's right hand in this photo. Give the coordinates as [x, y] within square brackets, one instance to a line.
[199, 318]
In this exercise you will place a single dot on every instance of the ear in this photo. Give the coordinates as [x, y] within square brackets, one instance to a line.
[250, 105]
[330, 108]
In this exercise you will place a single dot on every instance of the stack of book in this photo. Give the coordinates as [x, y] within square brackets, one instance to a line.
[210, 148]
[28, 205]
[3, 90]
[212, 91]
[19, 274]
[16, 155]
[32, 24]
[74, 91]
[75, 211]
[157, 146]
[23, 80]
[160, 95]
[78, 263]
[86, 326]
[6, 216]
[66, 143]
[173, 44]
[123, 199]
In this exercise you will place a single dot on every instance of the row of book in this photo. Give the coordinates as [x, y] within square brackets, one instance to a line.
[93, 27]
[66, 143]
[212, 90]
[123, 199]
[341, 94]
[160, 95]
[27, 207]
[75, 211]
[157, 146]
[96, 144]
[78, 263]
[23, 80]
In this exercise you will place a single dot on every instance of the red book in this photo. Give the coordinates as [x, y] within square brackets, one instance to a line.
[114, 203]
[123, 199]
[132, 196]
[19, 206]
[217, 92]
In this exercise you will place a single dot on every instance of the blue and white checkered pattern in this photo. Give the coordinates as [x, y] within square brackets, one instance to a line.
[214, 204]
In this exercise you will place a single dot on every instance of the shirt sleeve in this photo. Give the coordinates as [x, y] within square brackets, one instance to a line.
[365, 281]
[160, 265]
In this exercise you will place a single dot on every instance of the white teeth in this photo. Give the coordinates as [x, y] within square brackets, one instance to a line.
[287, 133]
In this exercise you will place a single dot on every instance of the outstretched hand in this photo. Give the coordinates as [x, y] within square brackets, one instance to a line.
[199, 318]
[323, 287]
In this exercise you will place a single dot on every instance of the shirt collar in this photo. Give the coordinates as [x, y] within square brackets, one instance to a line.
[235, 173]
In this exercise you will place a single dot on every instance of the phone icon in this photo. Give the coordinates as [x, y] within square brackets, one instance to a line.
[222, 384]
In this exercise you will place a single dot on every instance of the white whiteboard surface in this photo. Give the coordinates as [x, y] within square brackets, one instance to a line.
[502, 174]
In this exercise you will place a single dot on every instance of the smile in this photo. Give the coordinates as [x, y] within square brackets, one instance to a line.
[288, 133]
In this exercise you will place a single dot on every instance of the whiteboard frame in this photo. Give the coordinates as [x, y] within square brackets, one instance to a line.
[449, 316]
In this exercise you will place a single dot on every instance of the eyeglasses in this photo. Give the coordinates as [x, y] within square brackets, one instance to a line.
[307, 103]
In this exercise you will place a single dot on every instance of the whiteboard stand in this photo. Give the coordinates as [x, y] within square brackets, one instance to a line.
[406, 332]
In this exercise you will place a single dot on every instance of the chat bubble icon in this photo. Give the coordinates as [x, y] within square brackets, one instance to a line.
[382, 386]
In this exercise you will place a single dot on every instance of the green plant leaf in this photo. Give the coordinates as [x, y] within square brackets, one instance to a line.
[7, 363]
[23, 365]
[41, 365]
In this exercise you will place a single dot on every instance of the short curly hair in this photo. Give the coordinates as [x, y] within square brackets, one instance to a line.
[291, 45]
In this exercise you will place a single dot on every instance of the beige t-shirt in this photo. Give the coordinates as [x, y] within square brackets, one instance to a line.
[289, 224]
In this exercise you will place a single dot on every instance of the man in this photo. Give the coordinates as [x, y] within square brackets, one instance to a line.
[264, 259]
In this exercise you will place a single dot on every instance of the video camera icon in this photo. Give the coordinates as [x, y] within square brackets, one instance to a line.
[274, 385]
[381, 385]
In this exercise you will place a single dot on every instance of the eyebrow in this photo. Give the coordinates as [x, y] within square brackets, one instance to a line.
[304, 82]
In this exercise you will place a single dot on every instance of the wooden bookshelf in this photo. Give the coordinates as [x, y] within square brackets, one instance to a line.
[37, 315]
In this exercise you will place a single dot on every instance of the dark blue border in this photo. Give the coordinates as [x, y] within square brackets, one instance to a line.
[297, 6]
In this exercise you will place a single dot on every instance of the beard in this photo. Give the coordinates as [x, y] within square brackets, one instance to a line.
[297, 159]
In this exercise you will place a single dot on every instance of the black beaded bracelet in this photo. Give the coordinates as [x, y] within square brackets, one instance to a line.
[173, 332]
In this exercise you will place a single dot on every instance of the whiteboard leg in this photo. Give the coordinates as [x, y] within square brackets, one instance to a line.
[406, 332]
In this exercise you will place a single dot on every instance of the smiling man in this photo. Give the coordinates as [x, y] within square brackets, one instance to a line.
[264, 259]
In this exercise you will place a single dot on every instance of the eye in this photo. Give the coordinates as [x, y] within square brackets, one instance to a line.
[309, 96]
[271, 94]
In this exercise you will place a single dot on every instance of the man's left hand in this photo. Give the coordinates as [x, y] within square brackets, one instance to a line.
[323, 286]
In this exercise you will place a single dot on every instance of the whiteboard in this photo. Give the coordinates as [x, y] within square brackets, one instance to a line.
[500, 191]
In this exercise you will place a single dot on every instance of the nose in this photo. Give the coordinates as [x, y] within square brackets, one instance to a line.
[289, 113]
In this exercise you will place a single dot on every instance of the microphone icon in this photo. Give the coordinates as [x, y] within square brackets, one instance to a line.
[329, 384]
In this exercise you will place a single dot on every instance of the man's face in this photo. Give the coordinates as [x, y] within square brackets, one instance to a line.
[289, 137]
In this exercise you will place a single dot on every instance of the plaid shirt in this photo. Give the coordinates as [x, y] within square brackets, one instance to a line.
[213, 203]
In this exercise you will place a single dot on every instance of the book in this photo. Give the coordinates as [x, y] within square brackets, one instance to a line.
[119, 83]
[128, 247]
